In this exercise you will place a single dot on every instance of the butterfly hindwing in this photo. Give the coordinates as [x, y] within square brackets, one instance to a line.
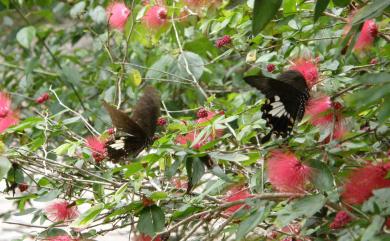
[123, 146]
[286, 100]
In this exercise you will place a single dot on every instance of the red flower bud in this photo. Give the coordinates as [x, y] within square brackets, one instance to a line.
[111, 131]
[202, 113]
[161, 121]
[43, 98]
[373, 61]
[225, 40]
[270, 68]
[23, 187]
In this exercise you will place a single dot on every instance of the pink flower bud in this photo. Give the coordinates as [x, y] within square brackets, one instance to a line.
[117, 14]
[155, 17]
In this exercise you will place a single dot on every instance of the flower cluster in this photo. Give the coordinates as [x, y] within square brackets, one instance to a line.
[342, 218]
[61, 238]
[192, 135]
[98, 147]
[61, 211]
[286, 173]
[225, 40]
[236, 193]
[8, 117]
[363, 181]
[367, 36]
[308, 68]
[323, 112]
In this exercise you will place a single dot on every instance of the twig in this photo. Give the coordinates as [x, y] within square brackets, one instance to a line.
[89, 127]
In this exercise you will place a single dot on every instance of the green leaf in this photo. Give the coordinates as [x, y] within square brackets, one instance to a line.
[5, 165]
[63, 149]
[71, 74]
[322, 176]
[98, 15]
[27, 123]
[49, 196]
[371, 10]
[25, 36]
[151, 220]
[252, 221]
[373, 228]
[120, 192]
[195, 170]
[158, 196]
[320, 8]
[289, 6]
[77, 9]
[236, 157]
[263, 12]
[341, 3]
[306, 207]
[88, 217]
[193, 62]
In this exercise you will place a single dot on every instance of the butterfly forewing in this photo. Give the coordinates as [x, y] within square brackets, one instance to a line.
[147, 110]
[122, 121]
[286, 100]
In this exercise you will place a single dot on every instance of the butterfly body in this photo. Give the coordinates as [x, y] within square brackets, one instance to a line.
[287, 96]
[134, 133]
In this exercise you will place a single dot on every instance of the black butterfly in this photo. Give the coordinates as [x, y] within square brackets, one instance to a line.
[136, 132]
[286, 100]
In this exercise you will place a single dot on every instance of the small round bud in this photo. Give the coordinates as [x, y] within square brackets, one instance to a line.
[161, 121]
[202, 113]
[23, 187]
[270, 68]
[225, 40]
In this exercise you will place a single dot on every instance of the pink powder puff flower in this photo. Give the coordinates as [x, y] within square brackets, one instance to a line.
[367, 35]
[144, 237]
[11, 119]
[363, 181]
[236, 193]
[191, 136]
[117, 14]
[61, 211]
[97, 147]
[308, 68]
[286, 173]
[5, 104]
[342, 218]
[155, 17]
[321, 110]
[61, 238]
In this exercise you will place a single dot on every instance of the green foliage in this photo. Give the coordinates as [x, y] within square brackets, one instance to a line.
[68, 50]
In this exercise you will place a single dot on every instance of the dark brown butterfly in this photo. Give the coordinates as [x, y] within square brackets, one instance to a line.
[287, 96]
[135, 132]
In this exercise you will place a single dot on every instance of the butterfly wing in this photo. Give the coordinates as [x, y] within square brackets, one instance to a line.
[123, 122]
[123, 146]
[147, 111]
[285, 103]
[131, 140]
